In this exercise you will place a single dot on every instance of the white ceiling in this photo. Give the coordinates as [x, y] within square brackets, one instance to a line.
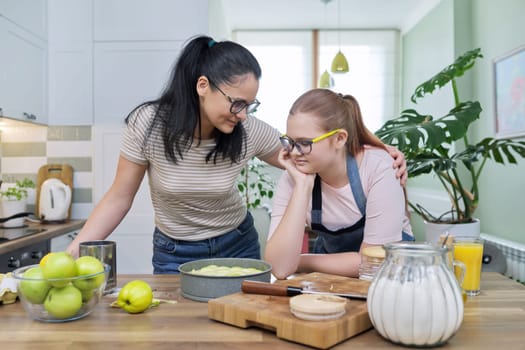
[308, 14]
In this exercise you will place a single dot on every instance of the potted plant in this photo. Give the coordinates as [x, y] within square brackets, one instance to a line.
[14, 194]
[14, 201]
[30, 187]
[429, 145]
[255, 184]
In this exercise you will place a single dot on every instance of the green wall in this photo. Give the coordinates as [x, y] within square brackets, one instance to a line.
[450, 29]
[498, 29]
[426, 49]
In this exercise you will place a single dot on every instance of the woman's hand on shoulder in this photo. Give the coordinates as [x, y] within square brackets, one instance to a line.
[400, 164]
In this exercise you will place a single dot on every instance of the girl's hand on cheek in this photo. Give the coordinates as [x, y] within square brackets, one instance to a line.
[285, 159]
[298, 176]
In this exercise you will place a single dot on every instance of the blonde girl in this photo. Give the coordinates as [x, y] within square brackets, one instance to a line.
[339, 182]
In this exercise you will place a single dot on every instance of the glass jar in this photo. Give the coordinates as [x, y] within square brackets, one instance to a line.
[371, 260]
[414, 298]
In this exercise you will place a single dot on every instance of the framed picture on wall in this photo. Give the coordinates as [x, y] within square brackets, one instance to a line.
[509, 94]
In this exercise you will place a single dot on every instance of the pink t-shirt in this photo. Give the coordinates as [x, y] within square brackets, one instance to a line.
[385, 206]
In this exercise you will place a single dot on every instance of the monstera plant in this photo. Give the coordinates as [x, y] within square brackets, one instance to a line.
[441, 145]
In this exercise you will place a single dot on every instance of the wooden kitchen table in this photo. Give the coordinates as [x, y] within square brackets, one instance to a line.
[493, 320]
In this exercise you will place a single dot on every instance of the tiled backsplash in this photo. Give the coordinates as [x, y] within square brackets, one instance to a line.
[25, 148]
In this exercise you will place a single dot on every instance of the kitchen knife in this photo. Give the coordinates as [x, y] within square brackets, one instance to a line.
[257, 287]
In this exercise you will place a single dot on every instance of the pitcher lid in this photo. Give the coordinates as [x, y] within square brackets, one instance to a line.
[415, 247]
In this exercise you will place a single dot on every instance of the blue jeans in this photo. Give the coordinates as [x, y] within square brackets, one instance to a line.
[406, 237]
[169, 253]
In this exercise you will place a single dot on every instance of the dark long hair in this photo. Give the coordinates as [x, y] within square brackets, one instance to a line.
[177, 109]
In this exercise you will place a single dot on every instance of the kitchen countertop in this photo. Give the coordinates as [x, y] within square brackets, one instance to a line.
[51, 231]
[493, 320]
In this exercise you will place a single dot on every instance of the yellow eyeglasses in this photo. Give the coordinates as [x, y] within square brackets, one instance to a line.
[304, 146]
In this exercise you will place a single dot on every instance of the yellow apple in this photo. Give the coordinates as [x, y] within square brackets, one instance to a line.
[135, 297]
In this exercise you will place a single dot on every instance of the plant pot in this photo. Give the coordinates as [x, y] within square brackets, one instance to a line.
[31, 196]
[434, 230]
[261, 221]
[11, 207]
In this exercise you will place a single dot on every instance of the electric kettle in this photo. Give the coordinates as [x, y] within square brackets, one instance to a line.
[55, 199]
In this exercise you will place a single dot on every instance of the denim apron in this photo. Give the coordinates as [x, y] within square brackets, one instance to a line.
[347, 239]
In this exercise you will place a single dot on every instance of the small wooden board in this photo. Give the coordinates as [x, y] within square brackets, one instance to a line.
[63, 172]
[273, 312]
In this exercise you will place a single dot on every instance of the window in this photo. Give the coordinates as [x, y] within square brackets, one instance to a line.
[286, 58]
[286, 61]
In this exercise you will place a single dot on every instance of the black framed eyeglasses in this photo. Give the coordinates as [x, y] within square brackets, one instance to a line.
[304, 147]
[238, 105]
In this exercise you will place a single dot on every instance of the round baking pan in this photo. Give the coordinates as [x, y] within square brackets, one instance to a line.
[203, 288]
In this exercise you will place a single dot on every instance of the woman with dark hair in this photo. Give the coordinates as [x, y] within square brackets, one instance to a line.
[339, 181]
[193, 142]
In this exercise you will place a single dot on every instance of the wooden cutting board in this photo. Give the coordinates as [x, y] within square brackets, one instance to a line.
[63, 172]
[273, 312]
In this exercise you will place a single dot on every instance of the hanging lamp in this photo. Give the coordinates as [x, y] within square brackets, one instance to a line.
[326, 81]
[339, 63]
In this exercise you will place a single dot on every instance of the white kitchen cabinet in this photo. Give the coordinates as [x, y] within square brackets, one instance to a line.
[60, 243]
[134, 235]
[70, 62]
[23, 72]
[134, 252]
[71, 84]
[140, 20]
[129, 73]
[70, 21]
[136, 44]
[30, 15]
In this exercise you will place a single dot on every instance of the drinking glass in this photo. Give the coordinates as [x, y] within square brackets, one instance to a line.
[105, 251]
[469, 250]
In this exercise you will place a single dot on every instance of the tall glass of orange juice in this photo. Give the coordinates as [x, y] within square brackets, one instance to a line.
[469, 250]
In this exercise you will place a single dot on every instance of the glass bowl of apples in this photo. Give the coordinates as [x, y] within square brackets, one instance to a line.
[60, 288]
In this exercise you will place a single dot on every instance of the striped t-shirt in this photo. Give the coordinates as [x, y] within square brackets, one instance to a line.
[194, 200]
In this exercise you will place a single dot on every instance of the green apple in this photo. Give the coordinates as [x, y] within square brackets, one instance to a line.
[87, 295]
[63, 302]
[135, 297]
[59, 265]
[34, 291]
[89, 265]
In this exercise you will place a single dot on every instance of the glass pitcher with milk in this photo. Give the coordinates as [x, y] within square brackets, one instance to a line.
[415, 299]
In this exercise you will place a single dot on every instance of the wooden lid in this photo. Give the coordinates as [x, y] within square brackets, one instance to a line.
[374, 252]
[317, 307]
